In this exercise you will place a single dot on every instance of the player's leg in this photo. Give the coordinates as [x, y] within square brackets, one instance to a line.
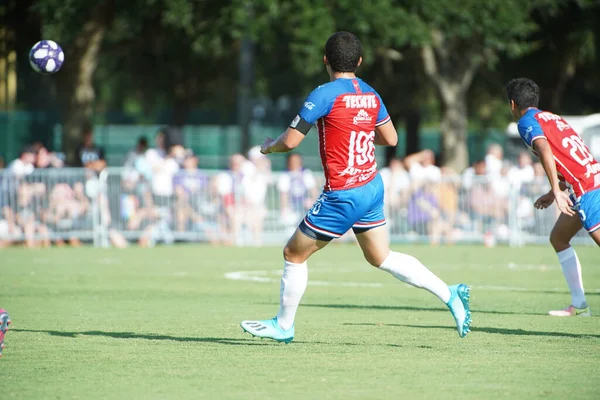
[408, 269]
[373, 238]
[565, 228]
[317, 229]
[596, 236]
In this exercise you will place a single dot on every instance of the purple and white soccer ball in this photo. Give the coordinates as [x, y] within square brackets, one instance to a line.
[46, 57]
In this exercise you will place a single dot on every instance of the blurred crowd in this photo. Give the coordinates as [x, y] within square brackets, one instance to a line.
[160, 195]
[424, 199]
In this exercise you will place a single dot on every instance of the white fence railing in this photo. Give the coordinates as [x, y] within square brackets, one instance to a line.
[220, 207]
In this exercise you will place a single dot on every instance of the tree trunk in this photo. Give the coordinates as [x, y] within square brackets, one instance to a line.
[412, 123]
[453, 80]
[75, 80]
[454, 127]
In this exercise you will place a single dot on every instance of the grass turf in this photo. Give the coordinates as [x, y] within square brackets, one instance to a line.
[163, 323]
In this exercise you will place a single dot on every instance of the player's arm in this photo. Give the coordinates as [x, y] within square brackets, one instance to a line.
[542, 148]
[317, 105]
[385, 131]
[287, 141]
[386, 135]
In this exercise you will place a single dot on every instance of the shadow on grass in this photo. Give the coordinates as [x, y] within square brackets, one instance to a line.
[150, 336]
[408, 308]
[499, 331]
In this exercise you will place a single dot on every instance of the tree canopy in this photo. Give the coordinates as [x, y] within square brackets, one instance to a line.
[439, 61]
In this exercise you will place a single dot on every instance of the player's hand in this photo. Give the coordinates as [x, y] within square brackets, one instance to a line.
[544, 201]
[266, 146]
[564, 203]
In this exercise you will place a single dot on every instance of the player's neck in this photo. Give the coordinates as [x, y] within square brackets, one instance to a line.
[342, 75]
[523, 112]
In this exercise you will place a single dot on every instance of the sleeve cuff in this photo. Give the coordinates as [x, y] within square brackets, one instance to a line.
[383, 121]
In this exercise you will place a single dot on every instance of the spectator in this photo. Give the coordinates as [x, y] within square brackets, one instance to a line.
[230, 187]
[193, 204]
[487, 208]
[163, 167]
[523, 172]
[449, 199]
[89, 155]
[256, 183]
[421, 166]
[297, 190]
[397, 183]
[476, 172]
[25, 164]
[494, 160]
[138, 152]
[424, 213]
[46, 159]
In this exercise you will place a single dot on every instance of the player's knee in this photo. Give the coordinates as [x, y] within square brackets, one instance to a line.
[291, 255]
[558, 242]
[374, 259]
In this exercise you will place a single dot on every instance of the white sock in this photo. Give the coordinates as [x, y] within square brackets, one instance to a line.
[410, 270]
[293, 285]
[572, 271]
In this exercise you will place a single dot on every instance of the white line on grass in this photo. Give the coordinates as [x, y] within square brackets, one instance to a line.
[264, 276]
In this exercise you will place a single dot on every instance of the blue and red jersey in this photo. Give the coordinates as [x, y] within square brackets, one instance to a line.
[346, 112]
[574, 163]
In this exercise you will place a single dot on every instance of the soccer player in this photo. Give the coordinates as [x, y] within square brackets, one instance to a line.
[569, 165]
[4, 322]
[351, 119]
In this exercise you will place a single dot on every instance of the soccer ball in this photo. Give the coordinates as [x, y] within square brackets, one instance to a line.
[46, 57]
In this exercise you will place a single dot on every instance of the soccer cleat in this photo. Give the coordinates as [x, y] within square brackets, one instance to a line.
[268, 328]
[4, 322]
[571, 311]
[459, 307]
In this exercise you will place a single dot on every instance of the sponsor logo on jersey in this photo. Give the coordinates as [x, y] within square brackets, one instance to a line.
[360, 101]
[592, 169]
[310, 105]
[362, 117]
[528, 133]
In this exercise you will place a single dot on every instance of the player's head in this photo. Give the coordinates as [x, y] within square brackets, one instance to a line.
[343, 53]
[522, 93]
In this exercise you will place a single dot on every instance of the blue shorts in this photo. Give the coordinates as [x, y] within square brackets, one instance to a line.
[335, 212]
[589, 210]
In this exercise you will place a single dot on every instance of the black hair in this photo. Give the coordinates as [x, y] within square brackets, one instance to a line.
[143, 141]
[343, 51]
[524, 92]
[28, 149]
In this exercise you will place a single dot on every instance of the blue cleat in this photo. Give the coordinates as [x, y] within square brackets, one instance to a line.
[268, 328]
[459, 307]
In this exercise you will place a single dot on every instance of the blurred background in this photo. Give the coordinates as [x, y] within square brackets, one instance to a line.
[147, 134]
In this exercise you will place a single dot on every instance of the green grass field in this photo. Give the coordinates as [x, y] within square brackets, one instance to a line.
[163, 323]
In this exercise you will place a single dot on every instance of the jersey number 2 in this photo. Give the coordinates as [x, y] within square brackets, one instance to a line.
[578, 150]
[362, 148]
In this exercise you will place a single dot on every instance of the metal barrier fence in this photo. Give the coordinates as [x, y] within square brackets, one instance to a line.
[253, 210]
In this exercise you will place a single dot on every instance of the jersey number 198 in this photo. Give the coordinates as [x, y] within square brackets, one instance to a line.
[362, 148]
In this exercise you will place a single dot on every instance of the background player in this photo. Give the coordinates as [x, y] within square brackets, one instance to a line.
[351, 119]
[4, 322]
[569, 165]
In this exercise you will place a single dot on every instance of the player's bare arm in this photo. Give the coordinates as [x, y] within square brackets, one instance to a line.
[546, 200]
[563, 202]
[287, 141]
[386, 135]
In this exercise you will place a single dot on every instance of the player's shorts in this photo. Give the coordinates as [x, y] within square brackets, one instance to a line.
[335, 212]
[589, 210]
